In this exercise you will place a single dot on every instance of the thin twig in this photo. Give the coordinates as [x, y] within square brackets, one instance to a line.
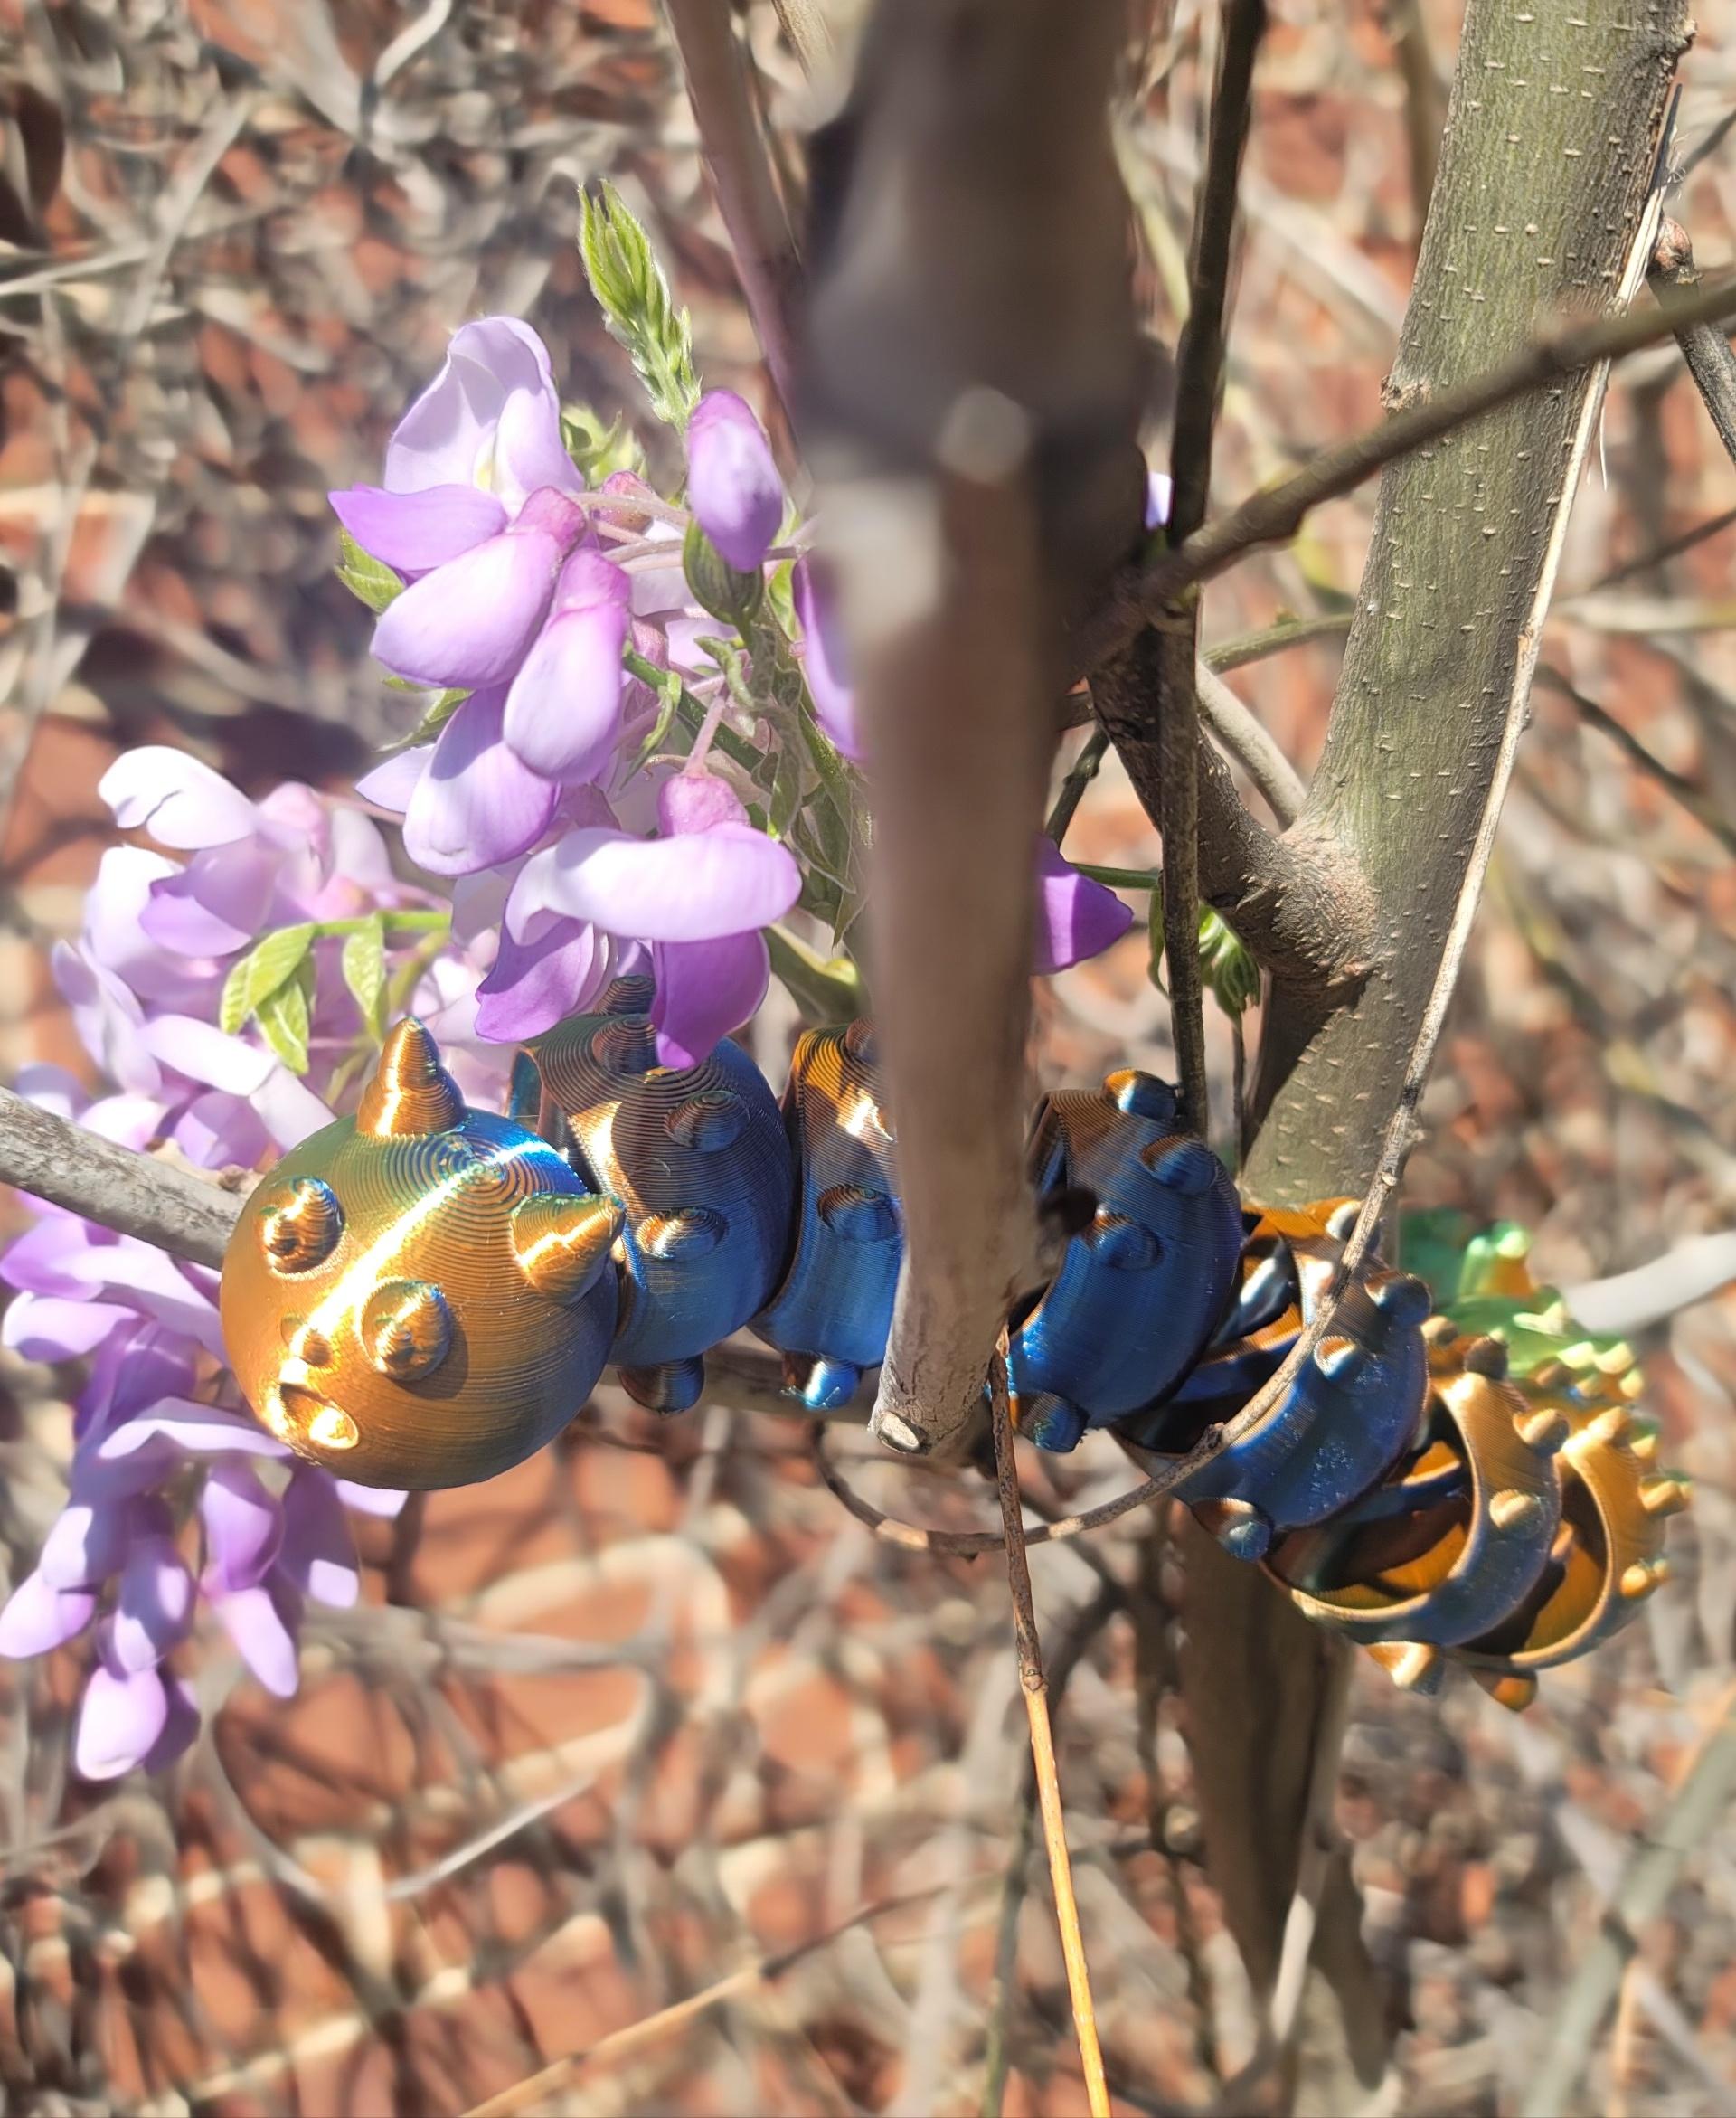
[1083, 770]
[1705, 812]
[1704, 347]
[1199, 384]
[1275, 513]
[714, 67]
[532, 2092]
[1272, 639]
[996, 2046]
[1248, 742]
[803, 21]
[1035, 1688]
[1704, 1793]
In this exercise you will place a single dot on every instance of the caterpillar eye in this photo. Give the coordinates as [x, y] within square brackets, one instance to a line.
[301, 1229]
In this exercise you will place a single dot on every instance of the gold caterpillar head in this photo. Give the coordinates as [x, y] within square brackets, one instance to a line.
[421, 1295]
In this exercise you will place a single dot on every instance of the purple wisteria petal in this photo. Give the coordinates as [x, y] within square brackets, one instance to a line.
[179, 1727]
[380, 1500]
[216, 1131]
[1076, 917]
[468, 623]
[697, 801]
[107, 1019]
[48, 1259]
[117, 930]
[254, 1621]
[40, 1617]
[563, 712]
[529, 453]
[215, 905]
[704, 989]
[123, 1716]
[696, 887]
[149, 1279]
[153, 1605]
[823, 660]
[535, 983]
[393, 782]
[1158, 490]
[203, 1053]
[477, 805]
[180, 801]
[289, 1109]
[243, 1528]
[87, 1543]
[448, 435]
[50, 1088]
[413, 533]
[732, 484]
[42, 1327]
[199, 1430]
[318, 1554]
[130, 1122]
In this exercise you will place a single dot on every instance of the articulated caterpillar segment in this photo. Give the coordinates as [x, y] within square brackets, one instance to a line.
[1351, 1412]
[1460, 1536]
[699, 1164]
[1141, 1286]
[390, 1297]
[830, 1316]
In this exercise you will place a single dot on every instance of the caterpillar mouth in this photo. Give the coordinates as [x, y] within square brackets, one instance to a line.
[305, 1420]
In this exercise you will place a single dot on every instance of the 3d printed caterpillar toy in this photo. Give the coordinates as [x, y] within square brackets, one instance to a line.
[424, 1294]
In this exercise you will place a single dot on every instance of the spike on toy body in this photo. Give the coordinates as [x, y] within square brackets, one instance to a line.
[831, 1315]
[379, 1312]
[1141, 1287]
[697, 1162]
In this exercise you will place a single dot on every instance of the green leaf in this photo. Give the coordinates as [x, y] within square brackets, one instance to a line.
[717, 586]
[634, 297]
[260, 972]
[826, 990]
[364, 973]
[428, 727]
[1227, 966]
[368, 579]
[597, 450]
[283, 1019]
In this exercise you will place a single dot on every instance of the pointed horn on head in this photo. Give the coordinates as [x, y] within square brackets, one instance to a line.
[410, 1092]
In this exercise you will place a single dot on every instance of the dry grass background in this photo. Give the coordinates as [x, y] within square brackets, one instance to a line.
[652, 1712]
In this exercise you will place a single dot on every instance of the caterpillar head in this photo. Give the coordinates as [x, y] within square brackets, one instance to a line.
[419, 1295]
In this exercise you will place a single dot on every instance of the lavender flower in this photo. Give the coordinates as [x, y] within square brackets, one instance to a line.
[156, 1470]
[732, 484]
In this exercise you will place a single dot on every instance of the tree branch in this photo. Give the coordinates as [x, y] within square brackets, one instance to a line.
[1705, 812]
[1199, 384]
[1704, 347]
[1425, 414]
[189, 1217]
[1247, 741]
[715, 68]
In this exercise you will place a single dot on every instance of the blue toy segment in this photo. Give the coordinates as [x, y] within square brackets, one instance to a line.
[1142, 1285]
[830, 1316]
[1353, 1409]
[698, 1161]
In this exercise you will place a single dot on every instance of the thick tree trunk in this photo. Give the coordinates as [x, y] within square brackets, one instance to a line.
[1545, 172]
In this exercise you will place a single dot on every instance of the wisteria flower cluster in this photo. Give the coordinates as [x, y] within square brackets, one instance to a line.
[636, 750]
[177, 1498]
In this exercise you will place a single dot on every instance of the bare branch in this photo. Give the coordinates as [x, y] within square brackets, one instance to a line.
[1247, 741]
[1034, 1685]
[1277, 512]
[1704, 811]
[739, 167]
[136, 1195]
[1704, 346]
[1693, 1814]
[1199, 384]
